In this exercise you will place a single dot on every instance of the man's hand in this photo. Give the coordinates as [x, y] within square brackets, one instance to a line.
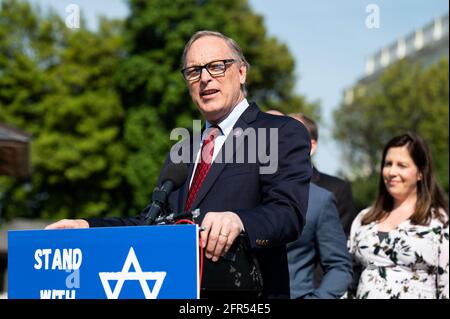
[69, 223]
[221, 229]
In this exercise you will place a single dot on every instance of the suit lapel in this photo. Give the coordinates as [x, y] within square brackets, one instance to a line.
[189, 161]
[315, 178]
[185, 188]
[216, 169]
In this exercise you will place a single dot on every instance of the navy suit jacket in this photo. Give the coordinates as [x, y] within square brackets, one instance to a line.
[342, 191]
[323, 240]
[272, 207]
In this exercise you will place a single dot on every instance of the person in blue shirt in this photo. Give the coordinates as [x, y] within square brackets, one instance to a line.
[322, 242]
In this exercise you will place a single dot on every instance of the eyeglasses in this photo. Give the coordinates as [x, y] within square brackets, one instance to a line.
[214, 68]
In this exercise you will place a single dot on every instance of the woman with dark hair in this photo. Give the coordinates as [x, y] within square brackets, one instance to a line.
[401, 241]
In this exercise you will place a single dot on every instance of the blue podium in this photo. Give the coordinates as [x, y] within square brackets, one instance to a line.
[152, 262]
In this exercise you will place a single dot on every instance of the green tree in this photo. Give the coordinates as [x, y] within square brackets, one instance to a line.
[406, 97]
[57, 84]
[153, 90]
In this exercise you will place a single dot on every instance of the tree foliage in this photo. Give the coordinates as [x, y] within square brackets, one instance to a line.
[406, 97]
[101, 104]
[56, 83]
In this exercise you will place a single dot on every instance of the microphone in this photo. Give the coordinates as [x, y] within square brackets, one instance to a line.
[173, 176]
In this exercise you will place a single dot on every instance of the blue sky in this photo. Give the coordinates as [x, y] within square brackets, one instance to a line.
[328, 38]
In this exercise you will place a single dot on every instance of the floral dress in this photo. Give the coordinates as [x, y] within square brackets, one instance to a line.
[411, 262]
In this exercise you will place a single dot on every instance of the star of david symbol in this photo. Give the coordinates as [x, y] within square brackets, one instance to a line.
[138, 274]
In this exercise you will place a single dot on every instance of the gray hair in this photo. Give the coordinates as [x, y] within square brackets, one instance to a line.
[235, 48]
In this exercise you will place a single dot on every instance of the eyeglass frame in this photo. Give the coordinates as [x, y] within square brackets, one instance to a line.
[226, 62]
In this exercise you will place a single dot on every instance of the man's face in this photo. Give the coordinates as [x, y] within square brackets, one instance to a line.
[215, 96]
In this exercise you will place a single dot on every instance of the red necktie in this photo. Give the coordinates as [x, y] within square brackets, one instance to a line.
[203, 165]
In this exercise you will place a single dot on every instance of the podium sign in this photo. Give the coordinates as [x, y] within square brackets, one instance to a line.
[112, 262]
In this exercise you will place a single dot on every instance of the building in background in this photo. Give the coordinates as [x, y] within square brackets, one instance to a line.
[426, 45]
[14, 152]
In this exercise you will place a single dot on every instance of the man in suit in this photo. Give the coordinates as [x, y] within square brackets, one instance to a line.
[322, 241]
[237, 197]
[341, 189]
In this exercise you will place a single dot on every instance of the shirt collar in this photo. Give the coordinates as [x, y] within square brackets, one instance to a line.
[226, 125]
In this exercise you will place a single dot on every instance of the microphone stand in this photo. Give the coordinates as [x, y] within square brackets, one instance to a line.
[157, 207]
[172, 218]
